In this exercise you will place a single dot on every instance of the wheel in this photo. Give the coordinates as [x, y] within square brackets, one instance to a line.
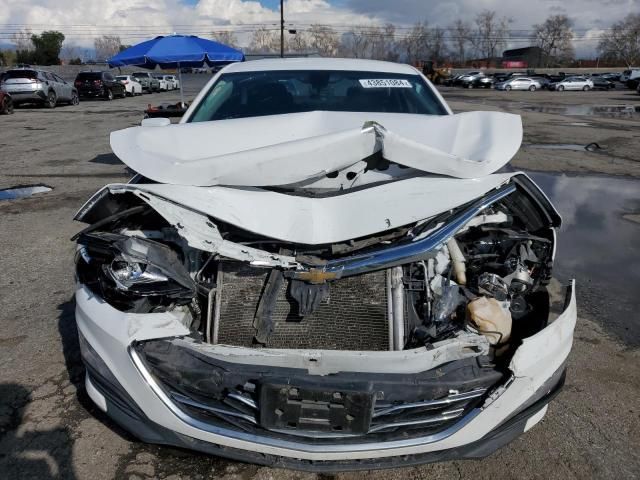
[124, 93]
[507, 88]
[7, 106]
[52, 99]
[470, 85]
[560, 88]
[586, 88]
[75, 100]
[109, 96]
[532, 88]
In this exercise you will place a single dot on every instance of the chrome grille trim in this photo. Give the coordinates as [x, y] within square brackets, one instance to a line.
[203, 406]
[458, 397]
[448, 415]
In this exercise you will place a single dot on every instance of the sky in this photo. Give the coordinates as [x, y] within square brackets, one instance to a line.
[136, 20]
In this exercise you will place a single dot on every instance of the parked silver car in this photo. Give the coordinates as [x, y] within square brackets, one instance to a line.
[148, 81]
[572, 83]
[519, 83]
[38, 86]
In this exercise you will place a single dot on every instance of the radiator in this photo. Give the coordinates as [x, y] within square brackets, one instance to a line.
[352, 317]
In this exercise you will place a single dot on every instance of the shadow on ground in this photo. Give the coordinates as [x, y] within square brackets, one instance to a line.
[40, 454]
[106, 159]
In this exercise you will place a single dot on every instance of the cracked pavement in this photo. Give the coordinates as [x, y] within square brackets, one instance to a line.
[49, 428]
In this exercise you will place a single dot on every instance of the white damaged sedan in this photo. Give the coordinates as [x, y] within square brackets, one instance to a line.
[319, 268]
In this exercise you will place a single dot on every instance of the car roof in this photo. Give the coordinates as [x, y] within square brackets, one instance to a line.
[320, 64]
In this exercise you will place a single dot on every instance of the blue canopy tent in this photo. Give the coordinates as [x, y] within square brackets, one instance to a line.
[176, 51]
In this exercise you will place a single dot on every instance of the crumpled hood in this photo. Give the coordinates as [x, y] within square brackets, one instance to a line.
[286, 149]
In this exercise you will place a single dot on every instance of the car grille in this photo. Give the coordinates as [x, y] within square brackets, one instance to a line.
[390, 421]
[353, 317]
[351, 406]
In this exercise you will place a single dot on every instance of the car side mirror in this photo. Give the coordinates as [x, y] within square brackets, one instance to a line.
[155, 122]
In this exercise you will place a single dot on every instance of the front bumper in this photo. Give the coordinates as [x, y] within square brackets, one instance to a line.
[28, 97]
[124, 387]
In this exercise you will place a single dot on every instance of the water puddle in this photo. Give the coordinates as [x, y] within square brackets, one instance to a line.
[613, 111]
[598, 246]
[23, 191]
[591, 147]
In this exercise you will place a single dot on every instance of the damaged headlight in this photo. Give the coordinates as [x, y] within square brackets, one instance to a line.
[128, 274]
[133, 273]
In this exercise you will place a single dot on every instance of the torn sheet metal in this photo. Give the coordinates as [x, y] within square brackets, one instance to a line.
[199, 232]
[306, 220]
[292, 148]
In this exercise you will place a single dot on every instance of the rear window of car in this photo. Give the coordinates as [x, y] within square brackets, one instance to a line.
[262, 93]
[122, 77]
[89, 76]
[20, 74]
[140, 74]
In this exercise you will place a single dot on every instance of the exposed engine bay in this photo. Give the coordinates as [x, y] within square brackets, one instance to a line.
[488, 279]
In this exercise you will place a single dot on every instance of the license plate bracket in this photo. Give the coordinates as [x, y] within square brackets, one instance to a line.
[312, 410]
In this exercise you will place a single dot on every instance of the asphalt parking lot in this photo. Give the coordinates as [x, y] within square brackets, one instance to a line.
[50, 429]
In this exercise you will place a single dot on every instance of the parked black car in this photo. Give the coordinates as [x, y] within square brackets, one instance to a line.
[477, 81]
[99, 84]
[601, 83]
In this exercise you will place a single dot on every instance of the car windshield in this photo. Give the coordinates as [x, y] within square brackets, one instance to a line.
[140, 74]
[255, 94]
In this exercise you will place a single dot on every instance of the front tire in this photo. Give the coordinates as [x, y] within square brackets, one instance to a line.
[532, 88]
[508, 88]
[52, 100]
[586, 88]
[560, 88]
[109, 95]
[75, 100]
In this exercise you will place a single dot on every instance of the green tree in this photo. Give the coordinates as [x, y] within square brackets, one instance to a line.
[47, 47]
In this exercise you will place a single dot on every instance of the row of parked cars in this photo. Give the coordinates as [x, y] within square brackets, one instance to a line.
[31, 85]
[533, 82]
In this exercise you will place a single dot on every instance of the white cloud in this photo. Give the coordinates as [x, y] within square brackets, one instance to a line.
[136, 20]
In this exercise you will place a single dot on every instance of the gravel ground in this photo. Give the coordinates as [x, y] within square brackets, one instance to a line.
[50, 429]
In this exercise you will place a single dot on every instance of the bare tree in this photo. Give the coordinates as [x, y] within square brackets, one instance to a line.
[265, 40]
[555, 39]
[324, 40]
[298, 42]
[355, 42]
[390, 42]
[438, 45]
[106, 46]
[416, 45]
[490, 33]
[621, 43]
[22, 40]
[460, 38]
[226, 37]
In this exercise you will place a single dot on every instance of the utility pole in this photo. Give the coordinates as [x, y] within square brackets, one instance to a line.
[281, 28]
